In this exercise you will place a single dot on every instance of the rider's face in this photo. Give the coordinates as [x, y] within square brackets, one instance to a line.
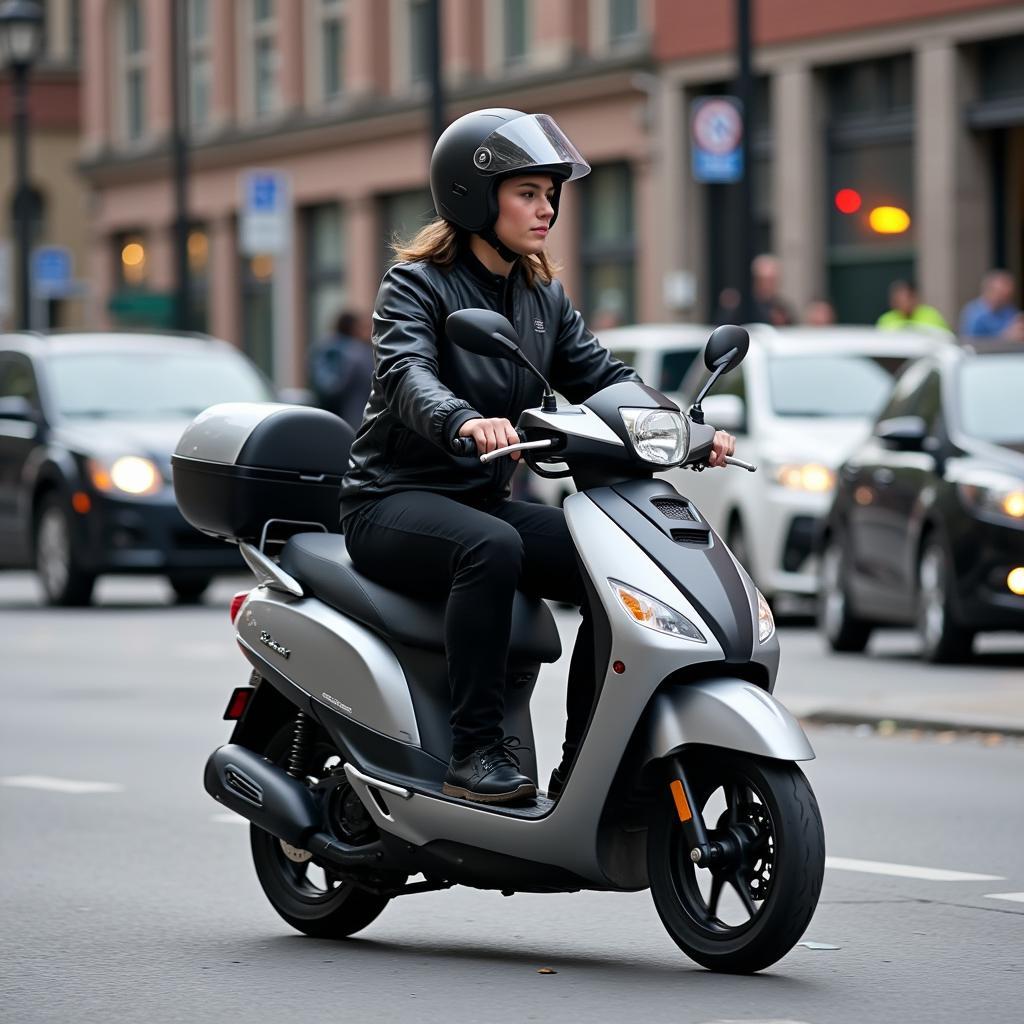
[525, 212]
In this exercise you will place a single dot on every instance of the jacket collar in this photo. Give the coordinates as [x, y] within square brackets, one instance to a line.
[495, 282]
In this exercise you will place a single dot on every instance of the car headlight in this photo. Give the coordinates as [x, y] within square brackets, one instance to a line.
[661, 436]
[645, 610]
[130, 474]
[812, 477]
[765, 619]
[993, 494]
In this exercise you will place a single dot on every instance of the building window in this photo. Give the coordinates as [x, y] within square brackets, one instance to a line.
[263, 57]
[326, 292]
[200, 65]
[131, 269]
[623, 20]
[133, 63]
[198, 278]
[402, 214]
[331, 35]
[515, 30]
[608, 247]
[420, 35]
[869, 168]
[257, 277]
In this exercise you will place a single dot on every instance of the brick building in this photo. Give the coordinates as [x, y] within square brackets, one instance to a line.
[919, 103]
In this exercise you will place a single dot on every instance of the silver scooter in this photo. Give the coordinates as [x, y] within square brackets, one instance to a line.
[685, 781]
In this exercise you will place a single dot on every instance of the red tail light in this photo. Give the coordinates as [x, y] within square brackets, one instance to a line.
[236, 603]
[238, 703]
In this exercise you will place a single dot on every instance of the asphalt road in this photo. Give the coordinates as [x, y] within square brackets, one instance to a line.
[134, 900]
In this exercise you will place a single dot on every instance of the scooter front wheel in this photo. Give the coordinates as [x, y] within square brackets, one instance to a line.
[750, 905]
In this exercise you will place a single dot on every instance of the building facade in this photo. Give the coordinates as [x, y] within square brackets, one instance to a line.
[916, 104]
[59, 212]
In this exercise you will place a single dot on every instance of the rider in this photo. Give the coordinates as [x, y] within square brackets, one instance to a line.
[418, 519]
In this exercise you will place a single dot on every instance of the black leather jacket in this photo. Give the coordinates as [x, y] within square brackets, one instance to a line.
[424, 387]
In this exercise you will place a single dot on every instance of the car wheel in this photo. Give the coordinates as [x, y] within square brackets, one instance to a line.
[189, 589]
[64, 582]
[942, 639]
[842, 630]
[736, 539]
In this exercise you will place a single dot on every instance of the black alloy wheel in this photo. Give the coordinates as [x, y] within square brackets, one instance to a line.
[842, 629]
[57, 561]
[750, 906]
[312, 898]
[942, 638]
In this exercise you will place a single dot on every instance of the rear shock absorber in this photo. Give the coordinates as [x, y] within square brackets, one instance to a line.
[302, 738]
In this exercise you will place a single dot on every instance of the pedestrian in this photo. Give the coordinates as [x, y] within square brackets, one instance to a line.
[767, 305]
[340, 368]
[993, 312]
[907, 310]
[819, 313]
[424, 522]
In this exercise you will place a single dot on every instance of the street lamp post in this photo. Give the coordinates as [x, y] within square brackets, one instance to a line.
[21, 36]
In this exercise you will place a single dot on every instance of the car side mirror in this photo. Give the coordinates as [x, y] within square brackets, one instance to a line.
[903, 433]
[17, 407]
[726, 412]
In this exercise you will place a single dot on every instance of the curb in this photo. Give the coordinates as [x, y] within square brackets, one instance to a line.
[898, 722]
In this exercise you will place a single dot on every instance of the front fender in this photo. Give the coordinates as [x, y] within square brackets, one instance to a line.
[724, 712]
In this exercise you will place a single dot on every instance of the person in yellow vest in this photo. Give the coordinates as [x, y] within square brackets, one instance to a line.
[906, 310]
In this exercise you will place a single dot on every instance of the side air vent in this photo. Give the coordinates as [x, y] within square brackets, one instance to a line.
[673, 508]
[690, 536]
[241, 784]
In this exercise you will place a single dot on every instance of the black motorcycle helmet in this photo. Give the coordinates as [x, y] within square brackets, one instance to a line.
[479, 149]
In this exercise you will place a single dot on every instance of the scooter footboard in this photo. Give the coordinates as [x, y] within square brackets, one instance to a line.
[724, 712]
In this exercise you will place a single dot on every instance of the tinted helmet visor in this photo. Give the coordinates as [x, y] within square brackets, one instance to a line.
[531, 141]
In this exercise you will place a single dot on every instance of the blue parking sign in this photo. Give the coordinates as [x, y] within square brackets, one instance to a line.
[52, 275]
[264, 193]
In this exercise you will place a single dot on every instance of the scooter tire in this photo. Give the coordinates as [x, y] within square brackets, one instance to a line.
[798, 864]
[322, 912]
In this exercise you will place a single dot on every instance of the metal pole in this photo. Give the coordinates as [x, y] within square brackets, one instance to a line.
[437, 122]
[179, 152]
[745, 93]
[22, 195]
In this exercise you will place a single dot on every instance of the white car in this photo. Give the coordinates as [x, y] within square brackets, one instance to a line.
[799, 403]
[661, 354]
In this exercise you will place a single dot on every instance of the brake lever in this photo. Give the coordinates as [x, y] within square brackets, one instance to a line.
[521, 446]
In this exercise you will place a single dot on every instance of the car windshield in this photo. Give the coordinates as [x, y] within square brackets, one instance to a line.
[991, 396]
[151, 385]
[830, 385]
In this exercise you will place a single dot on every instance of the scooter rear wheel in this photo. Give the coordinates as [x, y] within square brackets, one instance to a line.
[751, 907]
[310, 898]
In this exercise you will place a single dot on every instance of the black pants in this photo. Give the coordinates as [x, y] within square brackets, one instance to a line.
[474, 558]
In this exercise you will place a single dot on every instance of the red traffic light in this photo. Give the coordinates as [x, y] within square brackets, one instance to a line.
[848, 200]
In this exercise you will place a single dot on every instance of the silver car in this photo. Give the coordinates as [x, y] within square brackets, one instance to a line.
[799, 404]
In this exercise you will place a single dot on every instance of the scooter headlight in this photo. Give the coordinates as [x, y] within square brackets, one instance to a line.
[661, 436]
[765, 619]
[642, 608]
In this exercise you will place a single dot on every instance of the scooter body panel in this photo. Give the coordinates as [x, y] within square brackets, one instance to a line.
[730, 713]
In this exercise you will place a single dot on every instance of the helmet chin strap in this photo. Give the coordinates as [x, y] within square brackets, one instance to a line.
[490, 236]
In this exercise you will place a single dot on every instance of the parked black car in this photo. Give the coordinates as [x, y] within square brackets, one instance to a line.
[927, 525]
[87, 426]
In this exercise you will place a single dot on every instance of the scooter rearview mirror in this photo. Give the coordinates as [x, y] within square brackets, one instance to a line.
[484, 332]
[726, 348]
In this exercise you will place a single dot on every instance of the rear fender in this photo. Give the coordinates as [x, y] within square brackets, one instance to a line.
[723, 712]
[264, 715]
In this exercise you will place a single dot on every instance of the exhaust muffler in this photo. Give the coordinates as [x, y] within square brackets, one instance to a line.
[271, 799]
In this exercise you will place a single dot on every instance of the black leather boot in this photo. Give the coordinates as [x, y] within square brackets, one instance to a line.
[558, 779]
[490, 775]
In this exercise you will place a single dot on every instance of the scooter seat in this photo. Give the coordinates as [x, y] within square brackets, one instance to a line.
[320, 561]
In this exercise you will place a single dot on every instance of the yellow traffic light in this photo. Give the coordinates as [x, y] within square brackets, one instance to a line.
[889, 220]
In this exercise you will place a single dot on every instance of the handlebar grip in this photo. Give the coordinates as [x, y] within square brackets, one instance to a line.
[463, 446]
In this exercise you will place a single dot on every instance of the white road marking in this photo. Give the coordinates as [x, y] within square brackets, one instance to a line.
[1015, 897]
[228, 819]
[878, 867]
[75, 786]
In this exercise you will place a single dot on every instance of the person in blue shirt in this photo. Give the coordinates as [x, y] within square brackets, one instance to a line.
[993, 313]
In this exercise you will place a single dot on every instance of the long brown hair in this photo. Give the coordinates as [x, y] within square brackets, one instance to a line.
[439, 242]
